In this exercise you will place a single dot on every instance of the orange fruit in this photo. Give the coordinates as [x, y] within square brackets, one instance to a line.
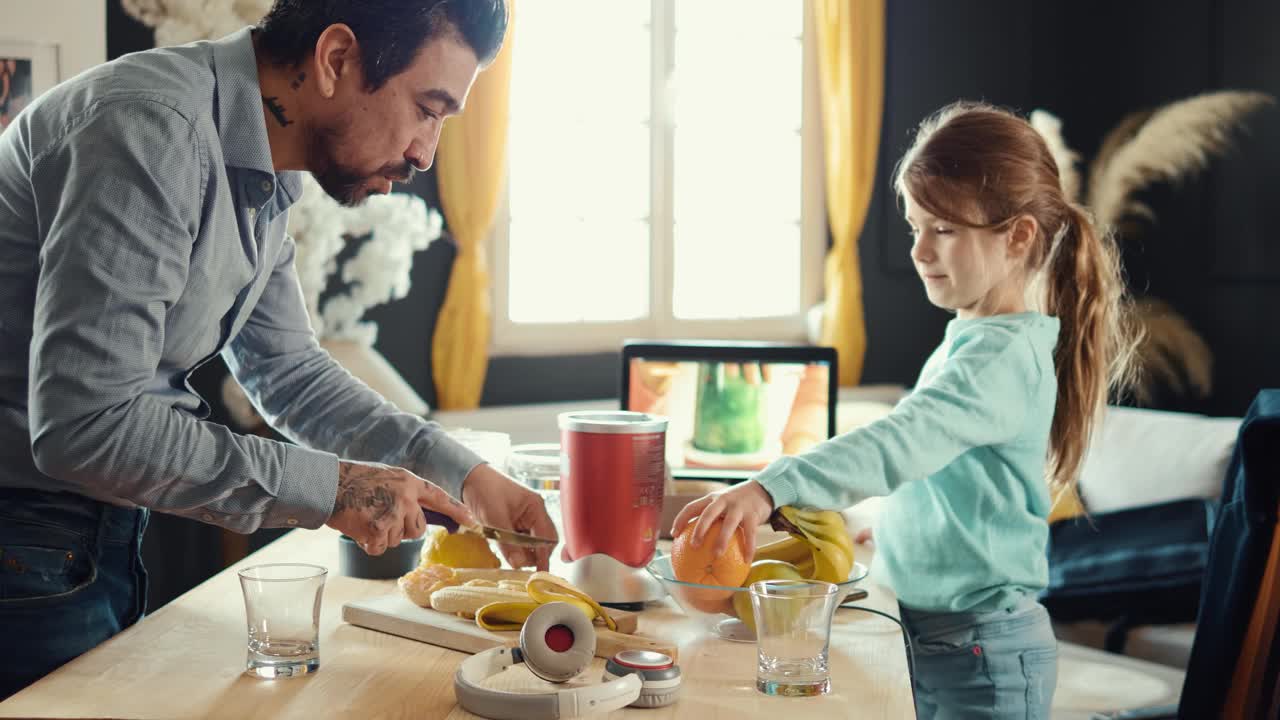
[701, 565]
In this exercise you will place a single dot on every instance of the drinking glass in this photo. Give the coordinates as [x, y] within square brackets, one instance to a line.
[793, 634]
[282, 611]
[537, 465]
[492, 446]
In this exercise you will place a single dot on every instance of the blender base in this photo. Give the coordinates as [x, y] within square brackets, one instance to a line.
[613, 583]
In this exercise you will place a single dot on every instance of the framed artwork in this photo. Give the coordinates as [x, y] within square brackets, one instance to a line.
[26, 70]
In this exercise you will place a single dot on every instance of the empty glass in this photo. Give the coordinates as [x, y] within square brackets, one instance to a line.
[537, 465]
[282, 610]
[793, 633]
[492, 446]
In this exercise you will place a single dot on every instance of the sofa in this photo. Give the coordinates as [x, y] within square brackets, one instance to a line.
[1149, 486]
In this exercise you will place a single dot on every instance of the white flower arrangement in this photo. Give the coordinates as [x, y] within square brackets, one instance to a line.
[398, 225]
[183, 21]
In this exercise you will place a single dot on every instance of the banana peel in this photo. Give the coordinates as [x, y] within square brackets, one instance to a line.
[820, 534]
[505, 615]
[543, 587]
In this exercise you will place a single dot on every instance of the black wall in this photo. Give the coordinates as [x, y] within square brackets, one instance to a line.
[1211, 253]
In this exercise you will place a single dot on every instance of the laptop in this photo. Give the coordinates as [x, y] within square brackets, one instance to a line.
[734, 407]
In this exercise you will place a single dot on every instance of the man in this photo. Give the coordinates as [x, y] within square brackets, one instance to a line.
[143, 207]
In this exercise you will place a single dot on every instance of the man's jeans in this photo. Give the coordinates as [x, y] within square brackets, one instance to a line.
[71, 576]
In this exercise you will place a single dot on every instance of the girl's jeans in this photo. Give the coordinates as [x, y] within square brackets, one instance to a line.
[1001, 664]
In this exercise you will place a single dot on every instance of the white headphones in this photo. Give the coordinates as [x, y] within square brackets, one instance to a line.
[556, 643]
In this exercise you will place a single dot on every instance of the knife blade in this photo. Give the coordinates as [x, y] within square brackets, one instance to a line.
[507, 537]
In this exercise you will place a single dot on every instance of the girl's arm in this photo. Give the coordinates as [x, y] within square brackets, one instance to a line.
[979, 397]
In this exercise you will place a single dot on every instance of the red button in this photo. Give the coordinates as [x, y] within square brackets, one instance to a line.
[559, 638]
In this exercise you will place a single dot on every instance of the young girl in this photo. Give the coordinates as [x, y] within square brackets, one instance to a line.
[1039, 337]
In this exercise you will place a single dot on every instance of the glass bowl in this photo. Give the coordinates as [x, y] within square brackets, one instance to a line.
[712, 605]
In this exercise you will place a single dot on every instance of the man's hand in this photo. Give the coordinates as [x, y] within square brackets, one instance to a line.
[498, 501]
[379, 505]
[746, 505]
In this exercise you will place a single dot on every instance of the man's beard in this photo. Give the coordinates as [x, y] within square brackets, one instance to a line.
[348, 186]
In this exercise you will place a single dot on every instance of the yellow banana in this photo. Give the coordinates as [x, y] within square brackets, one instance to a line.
[825, 533]
[794, 550]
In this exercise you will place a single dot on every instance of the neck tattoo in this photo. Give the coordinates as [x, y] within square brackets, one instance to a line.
[297, 82]
[277, 111]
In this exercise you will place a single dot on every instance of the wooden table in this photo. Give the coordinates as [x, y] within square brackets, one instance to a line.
[186, 660]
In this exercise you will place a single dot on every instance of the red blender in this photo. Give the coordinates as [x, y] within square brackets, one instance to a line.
[612, 467]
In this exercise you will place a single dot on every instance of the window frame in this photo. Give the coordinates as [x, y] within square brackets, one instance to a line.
[518, 338]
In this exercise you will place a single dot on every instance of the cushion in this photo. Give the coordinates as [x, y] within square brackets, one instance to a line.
[1066, 505]
[1142, 565]
[1145, 457]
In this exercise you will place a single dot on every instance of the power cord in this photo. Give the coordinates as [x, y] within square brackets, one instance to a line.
[906, 637]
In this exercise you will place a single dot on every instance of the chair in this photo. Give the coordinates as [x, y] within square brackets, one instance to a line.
[1234, 665]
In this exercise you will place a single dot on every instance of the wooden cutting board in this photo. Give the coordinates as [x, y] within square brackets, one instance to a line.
[397, 615]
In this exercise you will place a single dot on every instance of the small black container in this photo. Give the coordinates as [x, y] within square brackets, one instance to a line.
[396, 561]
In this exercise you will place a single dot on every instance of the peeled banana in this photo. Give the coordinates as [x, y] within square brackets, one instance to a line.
[819, 534]
[496, 603]
[468, 600]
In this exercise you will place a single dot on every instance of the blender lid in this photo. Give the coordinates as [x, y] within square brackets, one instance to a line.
[612, 421]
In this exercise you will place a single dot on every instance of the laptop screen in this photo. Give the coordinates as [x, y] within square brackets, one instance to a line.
[731, 416]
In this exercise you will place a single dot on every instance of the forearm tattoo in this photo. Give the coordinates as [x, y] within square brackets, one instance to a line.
[360, 489]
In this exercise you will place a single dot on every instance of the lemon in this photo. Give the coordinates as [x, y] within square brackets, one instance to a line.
[761, 570]
[459, 550]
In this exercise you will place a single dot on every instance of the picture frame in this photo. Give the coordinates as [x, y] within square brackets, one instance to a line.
[27, 69]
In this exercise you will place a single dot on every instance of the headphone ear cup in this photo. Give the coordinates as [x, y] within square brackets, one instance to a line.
[557, 665]
[649, 699]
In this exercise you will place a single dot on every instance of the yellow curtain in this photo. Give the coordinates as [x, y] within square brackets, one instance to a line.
[851, 69]
[471, 162]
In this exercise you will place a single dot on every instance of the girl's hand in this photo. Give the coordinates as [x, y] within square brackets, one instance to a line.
[745, 505]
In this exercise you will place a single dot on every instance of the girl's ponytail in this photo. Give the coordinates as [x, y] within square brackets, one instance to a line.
[1085, 289]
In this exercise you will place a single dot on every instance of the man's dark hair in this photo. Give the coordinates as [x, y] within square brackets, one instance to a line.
[390, 32]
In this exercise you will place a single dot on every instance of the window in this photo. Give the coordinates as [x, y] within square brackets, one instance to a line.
[664, 175]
